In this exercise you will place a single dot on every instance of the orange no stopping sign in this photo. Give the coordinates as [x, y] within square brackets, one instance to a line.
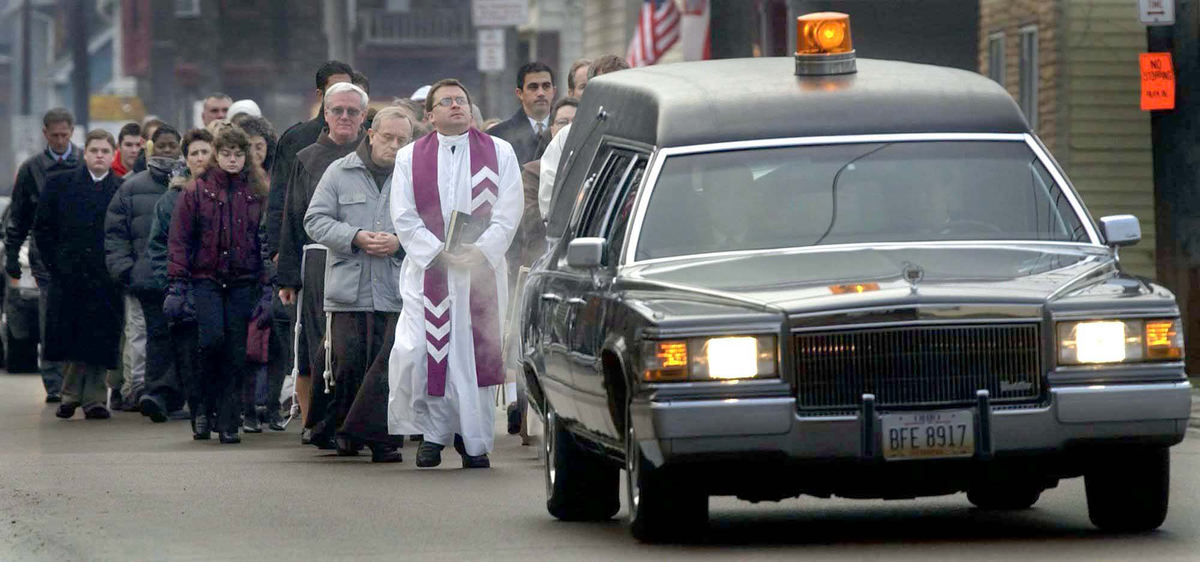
[1158, 81]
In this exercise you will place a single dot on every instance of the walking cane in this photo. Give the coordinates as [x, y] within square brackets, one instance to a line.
[329, 382]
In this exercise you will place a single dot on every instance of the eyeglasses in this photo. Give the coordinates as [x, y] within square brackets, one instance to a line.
[349, 111]
[447, 102]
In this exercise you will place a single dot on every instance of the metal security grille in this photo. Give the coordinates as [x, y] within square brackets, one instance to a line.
[918, 366]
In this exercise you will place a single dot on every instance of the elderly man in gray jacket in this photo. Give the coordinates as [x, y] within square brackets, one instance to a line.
[349, 213]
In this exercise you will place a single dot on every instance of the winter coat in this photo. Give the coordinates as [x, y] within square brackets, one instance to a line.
[127, 226]
[310, 164]
[160, 229]
[215, 231]
[346, 201]
[31, 178]
[84, 307]
[296, 138]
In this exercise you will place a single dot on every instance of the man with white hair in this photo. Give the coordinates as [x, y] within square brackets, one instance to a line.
[349, 215]
[345, 110]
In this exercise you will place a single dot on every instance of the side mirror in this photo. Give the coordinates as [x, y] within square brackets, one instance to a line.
[586, 253]
[1121, 230]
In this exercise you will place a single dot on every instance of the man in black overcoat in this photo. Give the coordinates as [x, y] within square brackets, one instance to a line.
[84, 307]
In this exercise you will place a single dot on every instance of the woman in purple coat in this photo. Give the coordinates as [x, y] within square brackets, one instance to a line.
[217, 274]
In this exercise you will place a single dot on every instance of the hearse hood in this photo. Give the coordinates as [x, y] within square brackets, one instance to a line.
[1060, 277]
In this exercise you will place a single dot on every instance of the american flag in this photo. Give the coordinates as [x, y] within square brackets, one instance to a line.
[657, 30]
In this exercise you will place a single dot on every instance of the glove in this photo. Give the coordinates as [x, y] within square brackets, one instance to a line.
[261, 316]
[12, 267]
[178, 306]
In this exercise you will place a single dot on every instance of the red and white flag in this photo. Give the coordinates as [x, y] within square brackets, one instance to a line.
[657, 30]
[694, 35]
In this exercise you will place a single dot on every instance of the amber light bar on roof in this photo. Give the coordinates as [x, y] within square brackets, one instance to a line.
[823, 33]
[823, 44]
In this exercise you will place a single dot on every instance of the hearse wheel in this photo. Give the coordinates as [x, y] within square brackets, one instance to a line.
[579, 485]
[660, 509]
[1128, 489]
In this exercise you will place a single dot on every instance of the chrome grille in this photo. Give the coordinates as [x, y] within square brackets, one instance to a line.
[918, 365]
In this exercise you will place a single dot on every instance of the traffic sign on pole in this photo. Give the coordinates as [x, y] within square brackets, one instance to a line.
[1156, 12]
[499, 13]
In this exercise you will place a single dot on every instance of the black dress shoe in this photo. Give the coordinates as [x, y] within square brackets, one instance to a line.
[346, 447]
[514, 419]
[153, 407]
[385, 453]
[200, 428]
[429, 455]
[65, 411]
[480, 461]
[53, 398]
[96, 413]
[229, 437]
[324, 442]
[115, 401]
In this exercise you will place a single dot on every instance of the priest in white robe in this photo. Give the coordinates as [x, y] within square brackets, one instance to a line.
[445, 365]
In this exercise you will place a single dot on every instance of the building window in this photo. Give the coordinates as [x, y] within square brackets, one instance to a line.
[187, 8]
[1028, 99]
[996, 59]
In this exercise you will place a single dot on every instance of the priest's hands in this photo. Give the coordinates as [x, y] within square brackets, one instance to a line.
[468, 255]
[378, 244]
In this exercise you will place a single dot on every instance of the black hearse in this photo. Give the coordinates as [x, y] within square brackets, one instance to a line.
[829, 276]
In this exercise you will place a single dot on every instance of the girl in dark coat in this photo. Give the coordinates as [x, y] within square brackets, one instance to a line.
[84, 308]
[215, 262]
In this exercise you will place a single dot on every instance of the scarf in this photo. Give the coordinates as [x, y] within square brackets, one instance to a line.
[378, 173]
[485, 320]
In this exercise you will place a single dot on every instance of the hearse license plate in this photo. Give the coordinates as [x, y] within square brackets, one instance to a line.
[927, 435]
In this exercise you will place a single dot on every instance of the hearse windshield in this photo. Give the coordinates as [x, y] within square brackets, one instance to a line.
[854, 193]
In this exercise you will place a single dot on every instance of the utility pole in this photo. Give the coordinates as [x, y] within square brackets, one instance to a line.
[80, 77]
[1176, 169]
[26, 58]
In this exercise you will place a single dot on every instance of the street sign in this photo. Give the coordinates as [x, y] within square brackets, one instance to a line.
[1156, 12]
[1158, 81]
[490, 50]
[499, 13]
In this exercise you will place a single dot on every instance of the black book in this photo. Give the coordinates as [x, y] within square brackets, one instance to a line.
[464, 229]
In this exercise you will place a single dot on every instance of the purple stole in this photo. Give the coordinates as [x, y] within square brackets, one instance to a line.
[485, 319]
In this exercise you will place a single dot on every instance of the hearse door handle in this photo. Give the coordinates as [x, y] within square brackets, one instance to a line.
[551, 297]
[576, 301]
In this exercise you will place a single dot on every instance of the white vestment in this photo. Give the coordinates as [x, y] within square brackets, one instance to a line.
[465, 408]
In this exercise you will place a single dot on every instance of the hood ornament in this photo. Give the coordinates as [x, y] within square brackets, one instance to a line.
[913, 274]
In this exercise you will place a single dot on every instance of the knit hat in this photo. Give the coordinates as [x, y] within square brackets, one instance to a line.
[244, 106]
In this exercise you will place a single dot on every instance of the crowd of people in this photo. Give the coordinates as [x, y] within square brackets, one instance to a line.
[353, 272]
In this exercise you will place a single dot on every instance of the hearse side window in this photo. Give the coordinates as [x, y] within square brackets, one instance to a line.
[624, 210]
[600, 200]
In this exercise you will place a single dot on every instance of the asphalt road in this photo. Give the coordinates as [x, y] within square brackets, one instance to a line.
[125, 489]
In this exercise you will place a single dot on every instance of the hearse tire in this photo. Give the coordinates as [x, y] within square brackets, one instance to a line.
[661, 508]
[1128, 490]
[999, 497]
[579, 485]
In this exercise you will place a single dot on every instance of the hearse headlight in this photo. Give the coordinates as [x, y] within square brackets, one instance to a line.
[1119, 341]
[723, 358]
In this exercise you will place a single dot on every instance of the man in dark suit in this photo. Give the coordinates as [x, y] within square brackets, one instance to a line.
[535, 91]
[59, 155]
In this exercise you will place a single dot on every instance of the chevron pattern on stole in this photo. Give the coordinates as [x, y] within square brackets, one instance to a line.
[484, 190]
[437, 329]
